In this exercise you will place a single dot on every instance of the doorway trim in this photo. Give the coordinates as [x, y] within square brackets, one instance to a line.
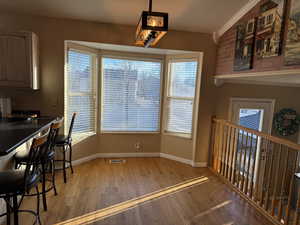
[257, 101]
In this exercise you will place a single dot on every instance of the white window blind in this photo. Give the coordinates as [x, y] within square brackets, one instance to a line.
[130, 95]
[180, 96]
[80, 95]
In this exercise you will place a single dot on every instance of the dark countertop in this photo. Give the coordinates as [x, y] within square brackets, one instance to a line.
[15, 133]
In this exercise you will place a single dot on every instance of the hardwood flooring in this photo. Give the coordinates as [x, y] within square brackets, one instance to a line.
[97, 184]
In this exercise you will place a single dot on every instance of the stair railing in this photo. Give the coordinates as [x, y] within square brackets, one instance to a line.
[260, 167]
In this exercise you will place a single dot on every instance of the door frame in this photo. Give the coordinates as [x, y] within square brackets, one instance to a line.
[257, 101]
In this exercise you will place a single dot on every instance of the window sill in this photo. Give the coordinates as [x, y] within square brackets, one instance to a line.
[128, 132]
[179, 135]
[77, 138]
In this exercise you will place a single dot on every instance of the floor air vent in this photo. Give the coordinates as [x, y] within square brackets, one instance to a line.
[117, 161]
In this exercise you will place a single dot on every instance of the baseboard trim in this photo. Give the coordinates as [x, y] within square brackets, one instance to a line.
[84, 159]
[176, 158]
[116, 155]
[129, 155]
[139, 155]
[199, 164]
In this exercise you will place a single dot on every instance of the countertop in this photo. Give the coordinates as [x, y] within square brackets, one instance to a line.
[15, 133]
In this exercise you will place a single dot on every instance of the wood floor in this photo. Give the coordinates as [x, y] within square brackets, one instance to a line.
[97, 184]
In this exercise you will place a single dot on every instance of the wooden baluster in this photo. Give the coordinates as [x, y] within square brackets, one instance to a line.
[220, 147]
[296, 218]
[258, 168]
[233, 157]
[266, 178]
[212, 146]
[216, 147]
[244, 162]
[249, 163]
[228, 152]
[285, 166]
[288, 208]
[237, 133]
[224, 150]
[240, 159]
[272, 159]
[276, 181]
[253, 168]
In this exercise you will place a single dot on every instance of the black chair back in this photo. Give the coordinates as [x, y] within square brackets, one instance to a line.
[37, 150]
[71, 125]
[54, 130]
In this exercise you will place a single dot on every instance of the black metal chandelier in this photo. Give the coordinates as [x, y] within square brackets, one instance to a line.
[151, 27]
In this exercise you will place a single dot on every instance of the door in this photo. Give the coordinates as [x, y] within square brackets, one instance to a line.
[256, 114]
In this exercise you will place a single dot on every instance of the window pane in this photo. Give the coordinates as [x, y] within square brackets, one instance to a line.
[183, 79]
[131, 95]
[79, 72]
[84, 106]
[79, 93]
[180, 116]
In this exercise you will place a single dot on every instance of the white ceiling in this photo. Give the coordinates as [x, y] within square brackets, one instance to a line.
[189, 15]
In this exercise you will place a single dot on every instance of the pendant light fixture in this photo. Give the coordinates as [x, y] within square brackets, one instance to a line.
[151, 27]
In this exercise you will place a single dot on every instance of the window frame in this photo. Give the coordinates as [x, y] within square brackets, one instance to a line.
[135, 57]
[182, 58]
[94, 67]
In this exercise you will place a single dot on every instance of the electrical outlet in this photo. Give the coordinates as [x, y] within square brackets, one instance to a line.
[137, 146]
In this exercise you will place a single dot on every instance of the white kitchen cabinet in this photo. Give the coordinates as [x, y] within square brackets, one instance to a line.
[19, 65]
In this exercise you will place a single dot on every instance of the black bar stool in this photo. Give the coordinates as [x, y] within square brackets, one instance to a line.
[64, 142]
[14, 183]
[46, 162]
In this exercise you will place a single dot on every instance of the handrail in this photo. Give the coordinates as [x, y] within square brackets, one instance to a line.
[260, 167]
[277, 140]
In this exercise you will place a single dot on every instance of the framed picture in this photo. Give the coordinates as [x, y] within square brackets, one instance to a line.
[244, 45]
[269, 33]
[292, 48]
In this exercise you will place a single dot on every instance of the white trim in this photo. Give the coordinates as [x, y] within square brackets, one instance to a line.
[236, 17]
[84, 159]
[183, 160]
[273, 78]
[129, 155]
[219, 83]
[215, 37]
[200, 164]
[139, 155]
[176, 158]
[116, 155]
[272, 73]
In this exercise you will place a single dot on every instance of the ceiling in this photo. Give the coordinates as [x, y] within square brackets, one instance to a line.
[188, 15]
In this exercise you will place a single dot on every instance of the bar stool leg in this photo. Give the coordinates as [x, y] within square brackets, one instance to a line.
[53, 176]
[8, 210]
[44, 186]
[38, 205]
[70, 157]
[64, 164]
[15, 209]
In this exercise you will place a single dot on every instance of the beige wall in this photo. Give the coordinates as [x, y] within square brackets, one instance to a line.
[285, 97]
[49, 99]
